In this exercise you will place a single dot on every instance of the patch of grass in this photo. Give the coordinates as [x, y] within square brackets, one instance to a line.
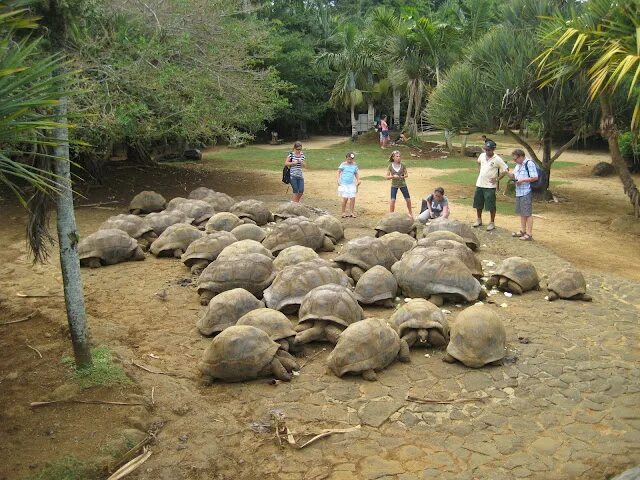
[66, 468]
[104, 371]
[562, 164]
[375, 178]
[252, 157]
[461, 177]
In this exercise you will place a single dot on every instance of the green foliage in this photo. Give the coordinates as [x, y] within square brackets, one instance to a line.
[67, 468]
[502, 207]
[630, 150]
[103, 372]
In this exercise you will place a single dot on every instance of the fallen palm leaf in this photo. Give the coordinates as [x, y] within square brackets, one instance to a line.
[129, 467]
[326, 433]
[34, 349]
[312, 357]
[23, 319]
[442, 402]
[37, 295]
[157, 372]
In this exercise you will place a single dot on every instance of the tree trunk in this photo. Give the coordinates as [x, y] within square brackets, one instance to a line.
[437, 75]
[68, 241]
[608, 130]
[396, 107]
[354, 125]
[463, 145]
[407, 119]
[371, 113]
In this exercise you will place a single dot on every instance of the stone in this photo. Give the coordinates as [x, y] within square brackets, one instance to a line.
[409, 452]
[376, 467]
[521, 472]
[575, 469]
[409, 419]
[546, 445]
[376, 412]
[484, 448]
[473, 381]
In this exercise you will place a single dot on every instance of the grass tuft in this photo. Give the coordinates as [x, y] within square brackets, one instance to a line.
[66, 468]
[104, 371]
[375, 178]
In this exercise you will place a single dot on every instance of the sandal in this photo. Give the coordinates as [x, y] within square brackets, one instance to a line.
[344, 215]
[353, 215]
[526, 237]
[518, 234]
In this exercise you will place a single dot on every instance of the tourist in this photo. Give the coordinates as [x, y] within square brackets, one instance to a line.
[295, 161]
[524, 175]
[348, 181]
[492, 169]
[398, 173]
[384, 132]
[436, 205]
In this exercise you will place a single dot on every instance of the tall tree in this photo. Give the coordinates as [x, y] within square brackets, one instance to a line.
[601, 41]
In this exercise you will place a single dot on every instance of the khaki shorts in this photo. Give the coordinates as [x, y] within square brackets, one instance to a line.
[485, 199]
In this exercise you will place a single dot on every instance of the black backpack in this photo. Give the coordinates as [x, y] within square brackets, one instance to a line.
[540, 184]
[286, 175]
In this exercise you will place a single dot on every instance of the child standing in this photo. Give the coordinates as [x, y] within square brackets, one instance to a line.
[295, 162]
[348, 181]
[397, 173]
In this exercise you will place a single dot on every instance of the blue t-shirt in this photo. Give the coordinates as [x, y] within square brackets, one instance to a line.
[348, 174]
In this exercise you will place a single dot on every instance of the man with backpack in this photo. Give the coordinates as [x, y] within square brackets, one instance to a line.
[525, 175]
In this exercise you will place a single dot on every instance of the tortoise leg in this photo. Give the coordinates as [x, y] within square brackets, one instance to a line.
[379, 233]
[279, 371]
[388, 303]
[482, 295]
[144, 244]
[207, 379]
[287, 361]
[370, 375]
[448, 358]
[584, 297]
[404, 355]
[284, 344]
[553, 296]
[436, 338]
[93, 262]
[327, 245]
[177, 253]
[332, 332]
[309, 335]
[206, 296]
[135, 211]
[423, 335]
[199, 266]
[437, 300]
[410, 338]
[514, 287]
[356, 273]
[138, 254]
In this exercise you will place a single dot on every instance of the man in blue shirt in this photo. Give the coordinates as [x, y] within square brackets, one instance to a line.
[524, 175]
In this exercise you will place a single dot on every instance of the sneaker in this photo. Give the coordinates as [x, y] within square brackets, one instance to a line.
[491, 226]
[477, 224]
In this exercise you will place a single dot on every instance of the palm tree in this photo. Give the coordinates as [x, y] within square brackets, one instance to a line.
[601, 42]
[33, 114]
[354, 63]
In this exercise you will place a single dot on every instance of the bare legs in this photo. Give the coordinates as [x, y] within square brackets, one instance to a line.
[526, 225]
[392, 206]
[296, 197]
[352, 205]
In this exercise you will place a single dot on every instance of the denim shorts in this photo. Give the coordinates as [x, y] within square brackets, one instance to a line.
[404, 190]
[297, 184]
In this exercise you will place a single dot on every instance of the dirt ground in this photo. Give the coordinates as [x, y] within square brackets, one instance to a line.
[567, 408]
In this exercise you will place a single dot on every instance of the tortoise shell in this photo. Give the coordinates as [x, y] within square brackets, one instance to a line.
[376, 284]
[419, 313]
[292, 209]
[249, 231]
[243, 247]
[331, 227]
[370, 344]
[396, 222]
[253, 210]
[294, 231]
[430, 238]
[238, 353]
[330, 303]
[398, 243]
[160, 221]
[147, 202]
[422, 276]
[207, 247]
[568, 283]
[199, 210]
[366, 252]
[111, 246]
[292, 283]
[477, 336]
[273, 322]
[519, 270]
[294, 255]
[451, 247]
[222, 221]
[226, 309]
[251, 271]
[132, 225]
[461, 229]
[178, 236]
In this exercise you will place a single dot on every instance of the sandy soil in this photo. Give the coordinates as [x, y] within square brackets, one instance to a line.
[203, 432]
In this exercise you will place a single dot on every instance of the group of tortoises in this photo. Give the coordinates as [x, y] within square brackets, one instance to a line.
[254, 267]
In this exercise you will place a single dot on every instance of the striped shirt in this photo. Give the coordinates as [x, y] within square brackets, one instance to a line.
[525, 170]
[296, 168]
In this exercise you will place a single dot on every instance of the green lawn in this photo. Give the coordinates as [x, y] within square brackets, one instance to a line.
[502, 207]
